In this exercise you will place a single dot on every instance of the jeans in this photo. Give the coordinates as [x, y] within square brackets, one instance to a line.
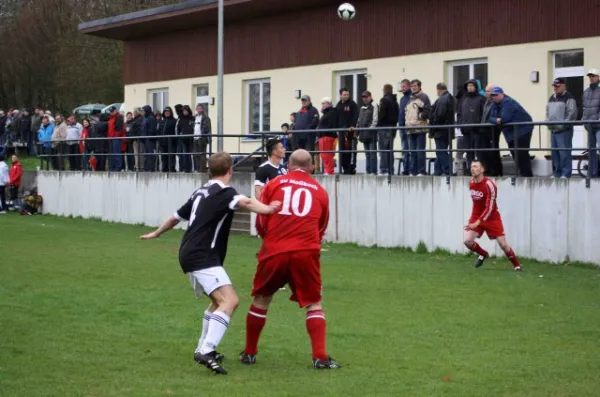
[417, 159]
[386, 143]
[116, 157]
[371, 157]
[593, 142]
[150, 155]
[405, 153]
[185, 158]
[562, 163]
[442, 160]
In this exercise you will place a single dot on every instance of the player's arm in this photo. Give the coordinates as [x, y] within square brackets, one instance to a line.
[256, 206]
[490, 199]
[324, 219]
[182, 213]
[260, 181]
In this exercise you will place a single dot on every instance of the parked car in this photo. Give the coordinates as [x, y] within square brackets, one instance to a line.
[88, 110]
[120, 106]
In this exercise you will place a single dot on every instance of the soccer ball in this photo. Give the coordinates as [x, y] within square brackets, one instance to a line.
[346, 11]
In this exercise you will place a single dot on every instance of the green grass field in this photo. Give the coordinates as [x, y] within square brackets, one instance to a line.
[86, 309]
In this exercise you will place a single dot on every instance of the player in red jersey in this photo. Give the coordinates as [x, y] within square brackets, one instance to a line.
[290, 254]
[485, 217]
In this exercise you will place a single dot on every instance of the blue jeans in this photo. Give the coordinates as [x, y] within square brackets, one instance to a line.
[442, 159]
[150, 155]
[185, 159]
[371, 157]
[116, 157]
[593, 143]
[562, 163]
[417, 159]
[405, 152]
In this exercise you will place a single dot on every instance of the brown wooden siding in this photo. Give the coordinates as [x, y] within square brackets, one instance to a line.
[383, 28]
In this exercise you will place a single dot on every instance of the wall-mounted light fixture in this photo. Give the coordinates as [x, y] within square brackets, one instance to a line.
[297, 94]
[534, 77]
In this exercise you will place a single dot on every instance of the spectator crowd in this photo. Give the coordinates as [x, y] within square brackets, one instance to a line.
[485, 112]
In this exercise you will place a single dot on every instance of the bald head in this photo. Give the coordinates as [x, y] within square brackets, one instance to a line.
[302, 160]
[488, 89]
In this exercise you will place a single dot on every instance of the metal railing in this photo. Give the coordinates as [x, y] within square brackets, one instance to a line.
[166, 148]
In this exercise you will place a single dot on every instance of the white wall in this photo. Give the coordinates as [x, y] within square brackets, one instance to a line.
[544, 219]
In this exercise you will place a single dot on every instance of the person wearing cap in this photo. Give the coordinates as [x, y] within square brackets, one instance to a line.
[561, 107]
[307, 118]
[328, 121]
[347, 116]
[591, 111]
[367, 118]
[115, 130]
[504, 111]
[494, 160]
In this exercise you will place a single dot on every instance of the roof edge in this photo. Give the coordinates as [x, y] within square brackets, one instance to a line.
[133, 16]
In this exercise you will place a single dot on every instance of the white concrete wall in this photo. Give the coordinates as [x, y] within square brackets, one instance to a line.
[546, 219]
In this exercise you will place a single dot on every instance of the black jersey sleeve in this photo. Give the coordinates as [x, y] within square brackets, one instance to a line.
[184, 213]
[262, 176]
[230, 198]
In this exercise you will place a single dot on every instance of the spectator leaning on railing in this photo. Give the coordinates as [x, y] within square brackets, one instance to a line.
[494, 167]
[307, 118]
[591, 111]
[507, 110]
[561, 107]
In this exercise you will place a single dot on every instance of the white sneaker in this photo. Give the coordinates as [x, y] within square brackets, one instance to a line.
[563, 177]
[421, 175]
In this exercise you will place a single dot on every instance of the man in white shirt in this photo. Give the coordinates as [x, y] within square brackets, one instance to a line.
[4, 178]
[202, 131]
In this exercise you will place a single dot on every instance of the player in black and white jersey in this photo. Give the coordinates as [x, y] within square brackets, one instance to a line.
[209, 212]
[271, 168]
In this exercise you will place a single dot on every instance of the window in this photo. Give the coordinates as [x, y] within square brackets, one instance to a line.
[258, 106]
[159, 99]
[201, 95]
[461, 71]
[355, 81]
[568, 65]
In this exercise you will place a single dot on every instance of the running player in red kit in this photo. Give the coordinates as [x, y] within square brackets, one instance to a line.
[485, 217]
[290, 254]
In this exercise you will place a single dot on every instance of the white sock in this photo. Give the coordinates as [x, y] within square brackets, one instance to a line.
[205, 322]
[216, 329]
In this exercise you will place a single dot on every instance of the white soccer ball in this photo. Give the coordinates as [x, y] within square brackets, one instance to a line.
[346, 11]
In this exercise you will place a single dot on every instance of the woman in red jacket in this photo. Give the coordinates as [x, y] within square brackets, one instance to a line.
[84, 147]
[14, 181]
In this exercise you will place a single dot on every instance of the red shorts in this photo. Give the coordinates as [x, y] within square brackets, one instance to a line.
[493, 228]
[300, 269]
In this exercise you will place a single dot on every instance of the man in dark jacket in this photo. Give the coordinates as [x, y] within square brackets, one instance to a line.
[387, 117]
[327, 121]
[100, 147]
[202, 138]
[167, 160]
[591, 111]
[24, 130]
[507, 110]
[406, 93]
[185, 126]
[494, 166]
[116, 129]
[307, 118]
[367, 118]
[133, 130]
[470, 111]
[442, 113]
[347, 116]
[149, 130]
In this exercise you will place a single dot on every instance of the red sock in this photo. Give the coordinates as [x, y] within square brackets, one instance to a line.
[477, 249]
[255, 322]
[513, 258]
[315, 325]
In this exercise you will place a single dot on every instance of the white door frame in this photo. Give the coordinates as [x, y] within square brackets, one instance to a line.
[579, 133]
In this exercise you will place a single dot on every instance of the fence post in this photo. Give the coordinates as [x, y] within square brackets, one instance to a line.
[449, 152]
[516, 156]
[588, 175]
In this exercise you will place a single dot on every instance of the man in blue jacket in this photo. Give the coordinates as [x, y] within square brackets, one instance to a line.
[504, 111]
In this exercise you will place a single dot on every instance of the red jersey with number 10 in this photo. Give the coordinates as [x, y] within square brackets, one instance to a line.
[484, 195]
[302, 220]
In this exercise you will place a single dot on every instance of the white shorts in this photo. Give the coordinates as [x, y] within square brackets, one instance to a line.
[206, 281]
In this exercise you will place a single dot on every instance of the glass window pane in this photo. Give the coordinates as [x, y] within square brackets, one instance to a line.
[202, 90]
[165, 99]
[460, 75]
[254, 107]
[361, 80]
[155, 98]
[266, 108]
[568, 59]
[481, 73]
